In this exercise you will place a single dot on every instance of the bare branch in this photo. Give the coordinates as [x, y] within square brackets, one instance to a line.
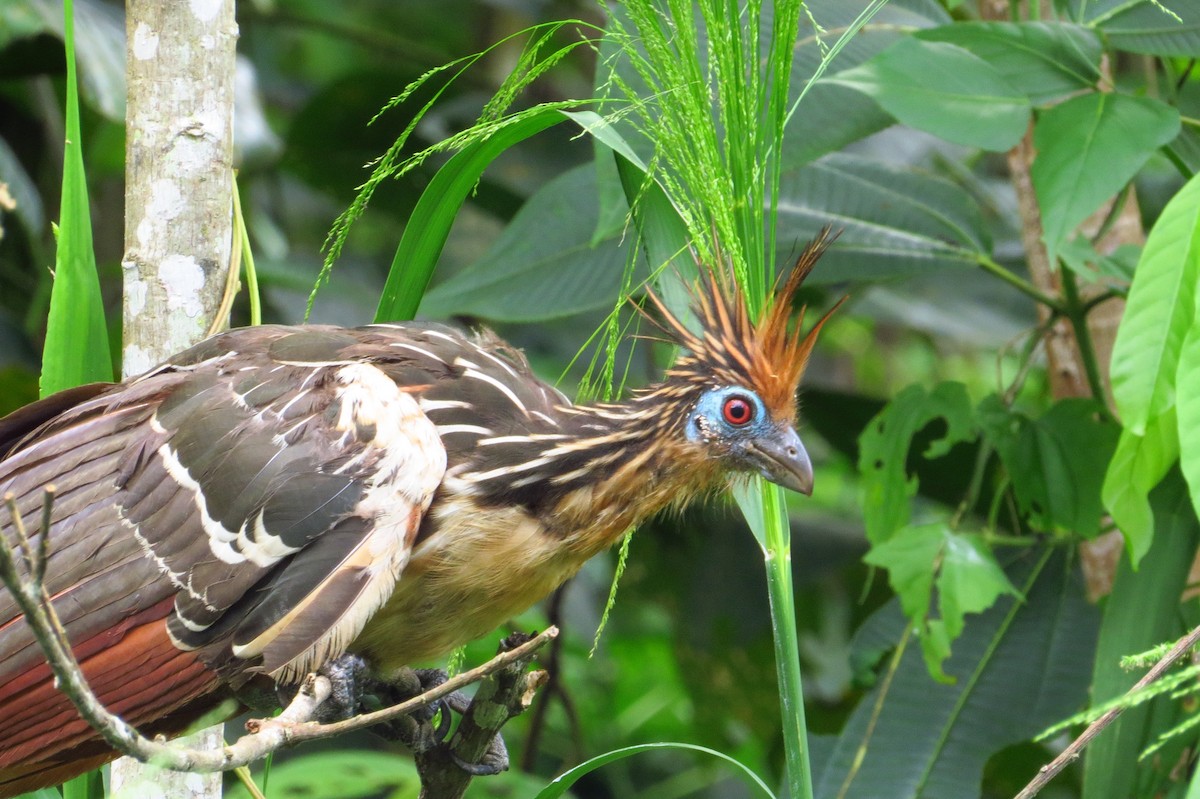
[265, 735]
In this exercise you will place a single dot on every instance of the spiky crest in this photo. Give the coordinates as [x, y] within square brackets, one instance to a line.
[768, 357]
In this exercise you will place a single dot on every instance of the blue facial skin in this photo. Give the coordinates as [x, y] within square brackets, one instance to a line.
[707, 423]
[770, 448]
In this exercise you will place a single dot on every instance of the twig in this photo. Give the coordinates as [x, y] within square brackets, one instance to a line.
[312, 731]
[265, 735]
[1068, 755]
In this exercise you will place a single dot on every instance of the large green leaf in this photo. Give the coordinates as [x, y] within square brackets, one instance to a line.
[893, 220]
[1187, 392]
[1087, 149]
[429, 225]
[1145, 27]
[1018, 667]
[945, 90]
[832, 115]
[1137, 466]
[1142, 611]
[883, 450]
[1042, 60]
[1056, 462]
[1159, 313]
[544, 265]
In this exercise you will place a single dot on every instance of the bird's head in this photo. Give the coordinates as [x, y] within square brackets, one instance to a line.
[735, 384]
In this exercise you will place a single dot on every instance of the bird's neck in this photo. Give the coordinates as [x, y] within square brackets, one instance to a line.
[628, 461]
[603, 467]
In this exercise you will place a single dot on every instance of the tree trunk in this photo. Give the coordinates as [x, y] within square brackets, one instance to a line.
[178, 223]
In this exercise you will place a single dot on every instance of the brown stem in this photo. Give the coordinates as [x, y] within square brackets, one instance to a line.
[1068, 755]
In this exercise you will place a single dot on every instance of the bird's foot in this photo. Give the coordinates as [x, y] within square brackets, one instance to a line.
[349, 676]
[494, 760]
[356, 689]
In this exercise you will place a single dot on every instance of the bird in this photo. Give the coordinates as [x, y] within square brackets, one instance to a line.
[278, 496]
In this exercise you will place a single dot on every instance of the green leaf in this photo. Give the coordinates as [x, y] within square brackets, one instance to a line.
[945, 90]
[894, 220]
[1138, 465]
[1087, 149]
[85, 786]
[428, 227]
[1042, 60]
[559, 786]
[1056, 462]
[544, 265]
[663, 236]
[343, 774]
[884, 445]
[1116, 267]
[1146, 27]
[1018, 667]
[552, 260]
[910, 557]
[1159, 313]
[968, 580]
[1187, 385]
[76, 349]
[832, 115]
[1142, 611]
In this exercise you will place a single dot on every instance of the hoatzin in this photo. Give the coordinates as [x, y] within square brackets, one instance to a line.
[277, 496]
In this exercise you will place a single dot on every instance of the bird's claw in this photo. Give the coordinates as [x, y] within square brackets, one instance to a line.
[493, 762]
[355, 689]
[348, 677]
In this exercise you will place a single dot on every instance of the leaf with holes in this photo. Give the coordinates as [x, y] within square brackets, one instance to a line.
[884, 446]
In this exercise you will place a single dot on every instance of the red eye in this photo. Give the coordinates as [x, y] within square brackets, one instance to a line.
[737, 411]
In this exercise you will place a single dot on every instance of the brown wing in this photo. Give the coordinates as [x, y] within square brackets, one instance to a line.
[244, 509]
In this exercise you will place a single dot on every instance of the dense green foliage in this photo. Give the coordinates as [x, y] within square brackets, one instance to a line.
[942, 620]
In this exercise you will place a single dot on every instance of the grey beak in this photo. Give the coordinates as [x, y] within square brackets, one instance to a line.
[784, 461]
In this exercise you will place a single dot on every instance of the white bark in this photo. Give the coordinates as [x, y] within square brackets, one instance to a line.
[178, 227]
[179, 159]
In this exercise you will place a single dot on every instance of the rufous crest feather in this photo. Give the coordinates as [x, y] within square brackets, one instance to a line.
[768, 356]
